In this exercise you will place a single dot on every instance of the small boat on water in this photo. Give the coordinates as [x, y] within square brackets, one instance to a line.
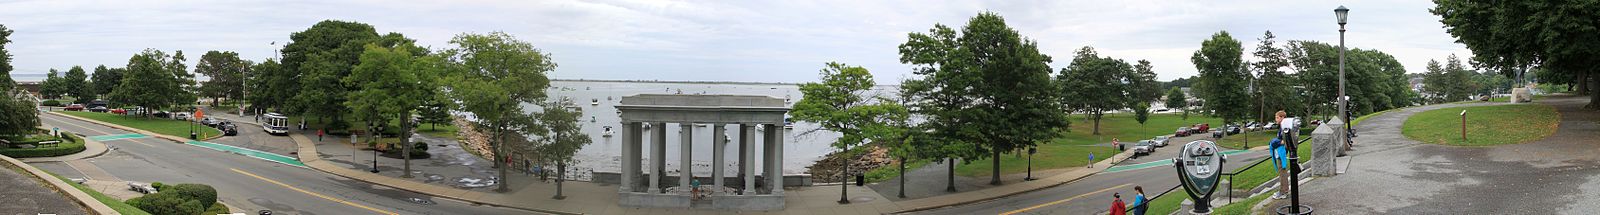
[594, 101]
[788, 123]
[607, 133]
[591, 118]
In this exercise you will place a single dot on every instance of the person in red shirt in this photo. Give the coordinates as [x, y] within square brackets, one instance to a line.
[1117, 207]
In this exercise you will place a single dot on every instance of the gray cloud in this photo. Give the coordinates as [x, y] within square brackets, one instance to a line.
[694, 40]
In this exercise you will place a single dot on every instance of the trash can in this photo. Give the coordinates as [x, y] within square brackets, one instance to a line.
[861, 180]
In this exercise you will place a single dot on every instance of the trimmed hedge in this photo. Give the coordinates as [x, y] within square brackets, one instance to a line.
[51, 103]
[70, 144]
[180, 199]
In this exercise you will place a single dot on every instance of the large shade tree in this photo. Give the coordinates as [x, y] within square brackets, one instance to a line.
[843, 102]
[315, 62]
[1224, 77]
[105, 79]
[498, 73]
[17, 116]
[986, 85]
[393, 82]
[561, 138]
[76, 84]
[1093, 85]
[153, 80]
[1512, 36]
[226, 72]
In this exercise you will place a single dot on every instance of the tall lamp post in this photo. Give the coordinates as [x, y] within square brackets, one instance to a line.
[1344, 101]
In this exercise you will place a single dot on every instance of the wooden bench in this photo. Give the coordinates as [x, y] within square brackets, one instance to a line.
[51, 143]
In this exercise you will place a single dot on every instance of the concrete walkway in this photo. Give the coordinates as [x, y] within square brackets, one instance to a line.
[1391, 174]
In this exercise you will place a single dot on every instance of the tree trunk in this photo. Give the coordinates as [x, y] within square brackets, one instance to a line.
[405, 145]
[902, 177]
[561, 175]
[1594, 97]
[1097, 123]
[1583, 84]
[994, 179]
[844, 175]
[950, 175]
[500, 159]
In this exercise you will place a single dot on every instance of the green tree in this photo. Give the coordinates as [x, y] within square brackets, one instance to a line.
[76, 84]
[434, 111]
[54, 86]
[392, 82]
[317, 60]
[1224, 76]
[1141, 113]
[1274, 88]
[152, 81]
[6, 84]
[1093, 85]
[562, 137]
[499, 72]
[104, 80]
[839, 103]
[989, 86]
[1142, 84]
[1176, 101]
[270, 85]
[1510, 37]
[227, 73]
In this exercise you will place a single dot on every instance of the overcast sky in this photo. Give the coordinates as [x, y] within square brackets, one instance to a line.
[762, 41]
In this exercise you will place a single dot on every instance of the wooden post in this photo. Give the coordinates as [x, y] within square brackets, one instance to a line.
[1463, 125]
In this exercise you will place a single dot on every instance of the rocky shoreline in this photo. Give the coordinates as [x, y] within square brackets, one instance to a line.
[827, 169]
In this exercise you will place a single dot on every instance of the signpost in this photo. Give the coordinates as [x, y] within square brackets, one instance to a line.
[1463, 125]
[1198, 165]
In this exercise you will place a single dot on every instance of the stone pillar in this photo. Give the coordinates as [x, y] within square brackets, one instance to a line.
[630, 155]
[719, 147]
[767, 172]
[775, 137]
[658, 156]
[685, 148]
[744, 155]
[747, 142]
[1326, 144]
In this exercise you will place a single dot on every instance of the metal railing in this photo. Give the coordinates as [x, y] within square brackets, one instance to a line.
[1153, 199]
[1252, 165]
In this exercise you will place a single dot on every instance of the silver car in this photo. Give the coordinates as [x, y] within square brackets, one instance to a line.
[1144, 147]
[1161, 141]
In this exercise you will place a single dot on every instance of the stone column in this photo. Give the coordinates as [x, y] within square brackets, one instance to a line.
[1325, 146]
[776, 135]
[685, 148]
[658, 155]
[630, 155]
[744, 155]
[767, 172]
[718, 147]
[747, 143]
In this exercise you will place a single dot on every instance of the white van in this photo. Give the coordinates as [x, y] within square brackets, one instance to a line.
[275, 123]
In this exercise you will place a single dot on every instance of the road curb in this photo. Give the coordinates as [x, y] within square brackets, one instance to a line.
[83, 199]
[1056, 181]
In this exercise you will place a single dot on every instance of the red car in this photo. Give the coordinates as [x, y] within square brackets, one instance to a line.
[1205, 128]
[1181, 132]
[119, 111]
[75, 107]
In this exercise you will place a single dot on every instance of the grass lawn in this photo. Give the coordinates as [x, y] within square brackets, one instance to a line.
[1050, 156]
[1241, 207]
[175, 128]
[1255, 138]
[442, 130]
[114, 203]
[1072, 149]
[1358, 120]
[1166, 204]
[1250, 178]
[1486, 125]
[888, 172]
[66, 147]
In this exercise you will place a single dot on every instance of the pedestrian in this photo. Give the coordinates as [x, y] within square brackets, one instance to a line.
[1117, 207]
[319, 135]
[1279, 154]
[694, 189]
[1140, 203]
[539, 170]
[1091, 160]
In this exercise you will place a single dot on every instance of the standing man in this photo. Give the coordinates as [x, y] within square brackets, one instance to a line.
[1091, 160]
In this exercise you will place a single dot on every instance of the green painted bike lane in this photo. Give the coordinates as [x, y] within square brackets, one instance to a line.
[1157, 163]
[103, 138]
[249, 152]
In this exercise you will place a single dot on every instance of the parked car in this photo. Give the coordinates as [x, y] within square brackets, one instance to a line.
[1232, 129]
[209, 122]
[181, 116]
[161, 114]
[97, 103]
[1206, 127]
[75, 107]
[1272, 126]
[1181, 132]
[1217, 134]
[228, 129]
[98, 109]
[1161, 141]
[119, 111]
[141, 187]
[1144, 147]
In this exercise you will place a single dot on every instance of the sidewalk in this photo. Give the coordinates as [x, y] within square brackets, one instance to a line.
[591, 198]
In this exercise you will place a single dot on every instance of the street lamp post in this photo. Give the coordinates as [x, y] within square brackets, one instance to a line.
[1031, 151]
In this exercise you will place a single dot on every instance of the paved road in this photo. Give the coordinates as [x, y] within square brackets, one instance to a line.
[249, 184]
[1092, 195]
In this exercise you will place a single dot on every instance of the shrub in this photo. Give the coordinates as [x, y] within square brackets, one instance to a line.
[198, 192]
[69, 145]
[52, 103]
[217, 208]
[158, 185]
[164, 203]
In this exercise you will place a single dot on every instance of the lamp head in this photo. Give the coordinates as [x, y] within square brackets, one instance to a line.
[1342, 13]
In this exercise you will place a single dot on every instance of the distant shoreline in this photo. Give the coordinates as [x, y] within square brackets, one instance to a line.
[690, 82]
